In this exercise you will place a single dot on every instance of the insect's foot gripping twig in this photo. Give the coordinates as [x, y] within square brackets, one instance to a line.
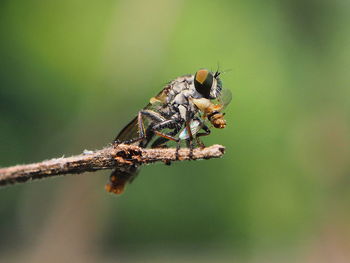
[117, 142]
[177, 155]
[200, 143]
[190, 145]
[190, 154]
[167, 162]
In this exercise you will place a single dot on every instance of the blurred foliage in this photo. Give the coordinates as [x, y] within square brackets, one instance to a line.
[73, 73]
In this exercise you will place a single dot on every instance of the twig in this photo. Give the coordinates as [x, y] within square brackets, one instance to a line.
[116, 156]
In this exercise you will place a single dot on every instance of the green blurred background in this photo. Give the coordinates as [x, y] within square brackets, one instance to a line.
[73, 73]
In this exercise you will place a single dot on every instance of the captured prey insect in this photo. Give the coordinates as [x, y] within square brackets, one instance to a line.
[182, 111]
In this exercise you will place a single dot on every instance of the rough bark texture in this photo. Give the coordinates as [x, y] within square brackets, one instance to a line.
[116, 156]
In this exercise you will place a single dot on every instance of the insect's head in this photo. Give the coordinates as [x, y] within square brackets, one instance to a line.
[208, 84]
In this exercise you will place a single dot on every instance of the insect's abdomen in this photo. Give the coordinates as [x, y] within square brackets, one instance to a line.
[120, 177]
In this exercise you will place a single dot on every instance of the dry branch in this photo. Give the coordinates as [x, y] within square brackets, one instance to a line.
[116, 156]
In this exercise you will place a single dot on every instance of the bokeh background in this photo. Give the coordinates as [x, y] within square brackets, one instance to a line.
[74, 72]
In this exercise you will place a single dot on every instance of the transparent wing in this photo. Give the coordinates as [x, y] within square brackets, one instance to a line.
[195, 126]
[131, 130]
[225, 97]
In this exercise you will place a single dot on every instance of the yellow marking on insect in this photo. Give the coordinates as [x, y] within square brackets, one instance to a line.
[160, 98]
[154, 100]
[201, 75]
[202, 104]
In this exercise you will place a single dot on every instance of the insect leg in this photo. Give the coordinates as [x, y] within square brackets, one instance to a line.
[170, 124]
[190, 145]
[167, 124]
[149, 135]
[154, 116]
[189, 141]
[177, 150]
[200, 134]
[162, 140]
[166, 136]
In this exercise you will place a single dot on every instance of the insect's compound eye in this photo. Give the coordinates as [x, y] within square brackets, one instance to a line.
[203, 81]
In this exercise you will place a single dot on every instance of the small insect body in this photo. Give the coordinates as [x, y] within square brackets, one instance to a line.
[177, 113]
[195, 126]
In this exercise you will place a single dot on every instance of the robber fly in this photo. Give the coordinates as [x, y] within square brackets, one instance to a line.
[182, 111]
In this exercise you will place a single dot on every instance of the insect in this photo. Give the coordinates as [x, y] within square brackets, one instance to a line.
[182, 111]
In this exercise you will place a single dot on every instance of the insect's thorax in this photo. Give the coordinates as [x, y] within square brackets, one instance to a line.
[178, 98]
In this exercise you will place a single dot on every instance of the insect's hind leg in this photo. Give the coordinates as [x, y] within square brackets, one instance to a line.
[161, 140]
[170, 124]
[152, 115]
[167, 124]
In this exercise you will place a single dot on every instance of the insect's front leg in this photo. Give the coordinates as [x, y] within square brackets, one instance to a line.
[189, 141]
[200, 134]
